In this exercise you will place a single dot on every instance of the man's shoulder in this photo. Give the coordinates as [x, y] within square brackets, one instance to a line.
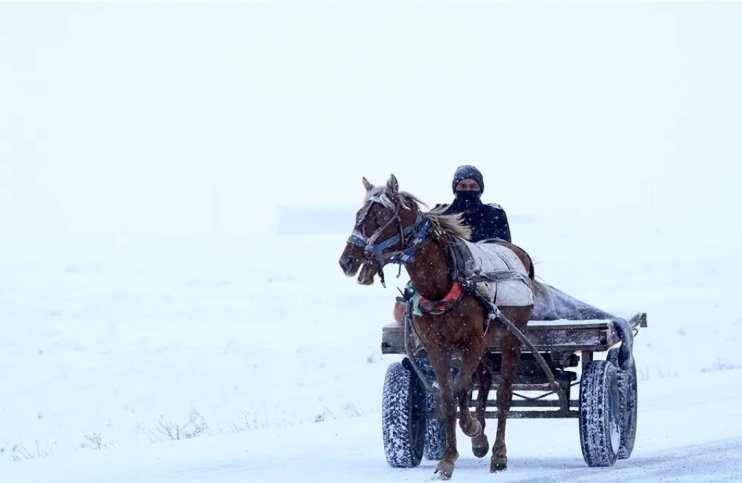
[494, 206]
[441, 207]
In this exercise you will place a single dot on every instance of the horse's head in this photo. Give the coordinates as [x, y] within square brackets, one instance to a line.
[383, 224]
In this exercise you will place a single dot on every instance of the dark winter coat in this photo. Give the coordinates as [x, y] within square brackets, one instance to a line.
[485, 220]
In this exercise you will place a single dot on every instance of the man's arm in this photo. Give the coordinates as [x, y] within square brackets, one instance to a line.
[497, 223]
[505, 226]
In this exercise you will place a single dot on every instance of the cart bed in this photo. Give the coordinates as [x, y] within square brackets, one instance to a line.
[546, 335]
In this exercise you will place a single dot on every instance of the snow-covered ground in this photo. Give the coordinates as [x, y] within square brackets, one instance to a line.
[671, 446]
[264, 352]
[155, 327]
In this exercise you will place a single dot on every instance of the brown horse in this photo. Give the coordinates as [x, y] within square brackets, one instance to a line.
[390, 228]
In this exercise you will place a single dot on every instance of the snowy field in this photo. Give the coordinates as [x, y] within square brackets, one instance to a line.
[159, 325]
[268, 357]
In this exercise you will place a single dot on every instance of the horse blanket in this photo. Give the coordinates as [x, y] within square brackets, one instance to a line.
[499, 273]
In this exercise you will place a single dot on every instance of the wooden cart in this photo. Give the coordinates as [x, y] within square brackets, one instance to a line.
[606, 406]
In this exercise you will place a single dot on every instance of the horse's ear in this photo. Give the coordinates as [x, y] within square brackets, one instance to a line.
[392, 185]
[367, 185]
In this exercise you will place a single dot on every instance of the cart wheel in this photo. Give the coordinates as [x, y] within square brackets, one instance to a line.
[403, 417]
[600, 417]
[629, 404]
[435, 434]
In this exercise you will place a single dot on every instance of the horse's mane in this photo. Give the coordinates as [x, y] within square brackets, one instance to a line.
[452, 224]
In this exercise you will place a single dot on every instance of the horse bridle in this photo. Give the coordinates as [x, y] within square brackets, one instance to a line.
[375, 252]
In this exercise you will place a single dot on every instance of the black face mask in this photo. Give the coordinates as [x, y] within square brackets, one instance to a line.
[467, 199]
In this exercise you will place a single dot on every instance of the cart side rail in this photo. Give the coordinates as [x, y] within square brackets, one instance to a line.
[546, 335]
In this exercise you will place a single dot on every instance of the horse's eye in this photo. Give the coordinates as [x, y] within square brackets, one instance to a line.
[379, 219]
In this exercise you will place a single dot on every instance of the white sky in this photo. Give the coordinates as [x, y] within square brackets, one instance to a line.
[134, 117]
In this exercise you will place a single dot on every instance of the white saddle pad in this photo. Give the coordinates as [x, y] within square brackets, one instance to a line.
[493, 257]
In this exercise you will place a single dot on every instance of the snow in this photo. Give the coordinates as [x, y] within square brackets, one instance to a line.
[260, 341]
[146, 295]
[669, 447]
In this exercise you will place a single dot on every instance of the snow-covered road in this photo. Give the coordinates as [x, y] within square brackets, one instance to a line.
[175, 179]
[684, 435]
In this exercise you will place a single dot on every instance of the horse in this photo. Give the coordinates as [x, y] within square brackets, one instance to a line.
[391, 228]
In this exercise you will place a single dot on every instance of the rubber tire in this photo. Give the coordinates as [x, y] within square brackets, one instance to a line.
[435, 432]
[627, 385]
[403, 417]
[600, 417]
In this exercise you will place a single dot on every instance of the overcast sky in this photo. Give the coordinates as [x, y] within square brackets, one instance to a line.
[151, 117]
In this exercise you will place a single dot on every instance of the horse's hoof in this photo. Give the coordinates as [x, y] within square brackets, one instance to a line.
[480, 448]
[444, 470]
[480, 451]
[498, 465]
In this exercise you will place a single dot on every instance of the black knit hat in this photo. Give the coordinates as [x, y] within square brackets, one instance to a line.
[467, 171]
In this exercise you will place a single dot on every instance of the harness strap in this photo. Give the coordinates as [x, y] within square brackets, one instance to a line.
[437, 307]
[407, 255]
[377, 250]
[502, 277]
[459, 255]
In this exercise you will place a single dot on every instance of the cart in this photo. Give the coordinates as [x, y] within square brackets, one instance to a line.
[606, 405]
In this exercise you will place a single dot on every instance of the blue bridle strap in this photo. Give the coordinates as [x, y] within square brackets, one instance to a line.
[409, 253]
[421, 224]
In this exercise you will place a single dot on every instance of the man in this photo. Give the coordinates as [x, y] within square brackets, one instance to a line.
[485, 220]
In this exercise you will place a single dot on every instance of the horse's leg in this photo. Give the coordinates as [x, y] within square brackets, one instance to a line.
[510, 353]
[462, 389]
[479, 445]
[441, 363]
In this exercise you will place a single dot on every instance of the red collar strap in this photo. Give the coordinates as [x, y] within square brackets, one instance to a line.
[438, 307]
